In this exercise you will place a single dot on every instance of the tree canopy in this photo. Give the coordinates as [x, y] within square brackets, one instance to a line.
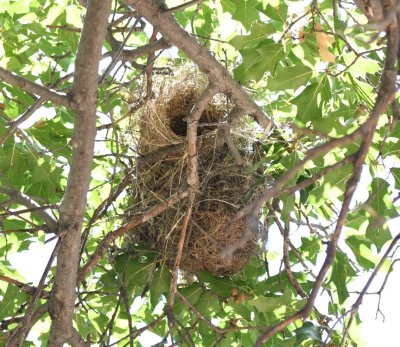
[305, 153]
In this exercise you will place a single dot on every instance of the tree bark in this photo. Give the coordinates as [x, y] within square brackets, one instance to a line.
[84, 94]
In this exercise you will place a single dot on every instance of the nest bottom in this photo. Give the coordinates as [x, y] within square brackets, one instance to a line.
[208, 234]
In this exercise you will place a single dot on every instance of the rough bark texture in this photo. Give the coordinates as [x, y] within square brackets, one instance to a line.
[84, 94]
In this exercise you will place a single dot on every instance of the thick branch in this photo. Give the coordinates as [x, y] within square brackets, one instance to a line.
[84, 94]
[34, 88]
[155, 12]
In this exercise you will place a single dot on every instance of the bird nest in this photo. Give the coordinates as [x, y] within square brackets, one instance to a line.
[224, 183]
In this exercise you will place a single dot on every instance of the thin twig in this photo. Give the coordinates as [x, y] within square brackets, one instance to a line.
[355, 307]
[103, 246]
[20, 333]
[183, 6]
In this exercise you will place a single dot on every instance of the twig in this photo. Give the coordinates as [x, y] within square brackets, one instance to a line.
[102, 247]
[20, 333]
[110, 323]
[137, 332]
[130, 55]
[174, 280]
[209, 323]
[285, 233]
[192, 178]
[355, 307]
[308, 181]
[127, 308]
[23, 286]
[13, 125]
[65, 27]
[27, 210]
[117, 54]
[183, 6]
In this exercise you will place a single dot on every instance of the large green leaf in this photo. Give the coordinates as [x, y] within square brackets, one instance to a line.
[246, 12]
[258, 61]
[11, 301]
[361, 249]
[277, 12]
[342, 271]
[289, 77]
[308, 331]
[311, 100]
[259, 31]
[381, 208]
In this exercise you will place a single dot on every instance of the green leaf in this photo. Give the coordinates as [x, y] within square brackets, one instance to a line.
[380, 208]
[134, 272]
[311, 247]
[20, 7]
[291, 77]
[311, 100]
[308, 331]
[258, 61]
[396, 174]
[377, 233]
[208, 304]
[160, 284]
[380, 204]
[360, 246]
[203, 22]
[280, 306]
[246, 13]
[11, 301]
[341, 271]
[259, 31]
[242, 310]
[220, 285]
[191, 293]
[278, 12]
[333, 186]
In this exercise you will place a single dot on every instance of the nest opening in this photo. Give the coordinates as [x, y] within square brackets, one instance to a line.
[162, 122]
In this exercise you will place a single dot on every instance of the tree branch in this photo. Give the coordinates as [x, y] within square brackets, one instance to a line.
[34, 88]
[17, 197]
[183, 6]
[129, 55]
[192, 178]
[84, 95]
[23, 286]
[155, 12]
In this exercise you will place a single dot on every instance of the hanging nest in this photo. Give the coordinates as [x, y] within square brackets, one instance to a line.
[223, 183]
